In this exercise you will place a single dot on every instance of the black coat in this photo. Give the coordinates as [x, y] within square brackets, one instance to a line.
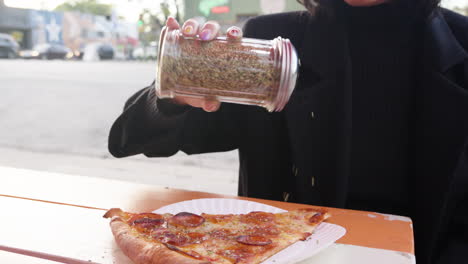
[303, 153]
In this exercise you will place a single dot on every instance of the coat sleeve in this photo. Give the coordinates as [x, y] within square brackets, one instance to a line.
[159, 128]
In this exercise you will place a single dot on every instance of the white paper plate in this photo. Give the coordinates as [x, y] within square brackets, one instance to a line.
[324, 235]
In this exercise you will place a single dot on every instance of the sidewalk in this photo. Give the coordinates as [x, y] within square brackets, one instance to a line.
[215, 173]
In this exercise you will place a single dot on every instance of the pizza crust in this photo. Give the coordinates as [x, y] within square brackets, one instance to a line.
[140, 250]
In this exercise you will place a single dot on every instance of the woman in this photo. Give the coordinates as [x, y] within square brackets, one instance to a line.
[378, 120]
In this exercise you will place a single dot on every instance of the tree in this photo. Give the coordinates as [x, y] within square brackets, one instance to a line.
[151, 23]
[86, 6]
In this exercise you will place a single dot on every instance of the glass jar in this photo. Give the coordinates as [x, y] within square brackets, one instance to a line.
[247, 71]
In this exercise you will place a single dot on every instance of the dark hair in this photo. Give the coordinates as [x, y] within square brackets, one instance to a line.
[421, 7]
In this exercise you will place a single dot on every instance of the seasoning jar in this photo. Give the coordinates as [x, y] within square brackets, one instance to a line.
[247, 71]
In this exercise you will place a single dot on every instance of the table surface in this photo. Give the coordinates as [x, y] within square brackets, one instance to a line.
[59, 217]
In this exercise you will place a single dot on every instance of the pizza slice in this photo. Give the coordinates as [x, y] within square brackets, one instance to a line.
[187, 238]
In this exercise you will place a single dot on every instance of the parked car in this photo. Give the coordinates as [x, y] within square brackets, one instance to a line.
[105, 52]
[8, 46]
[146, 53]
[95, 51]
[78, 54]
[47, 52]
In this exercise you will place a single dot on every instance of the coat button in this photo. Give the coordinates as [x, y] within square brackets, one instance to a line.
[313, 181]
[286, 196]
[312, 114]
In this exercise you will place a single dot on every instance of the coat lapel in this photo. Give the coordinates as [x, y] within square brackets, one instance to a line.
[442, 50]
[441, 128]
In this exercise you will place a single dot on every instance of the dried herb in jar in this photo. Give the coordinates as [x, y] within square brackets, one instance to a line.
[248, 71]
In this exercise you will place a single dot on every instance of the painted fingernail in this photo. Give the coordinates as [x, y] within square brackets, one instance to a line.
[205, 34]
[234, 32]
[188, 30]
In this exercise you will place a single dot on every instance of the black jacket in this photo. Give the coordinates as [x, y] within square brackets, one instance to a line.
[303, 152]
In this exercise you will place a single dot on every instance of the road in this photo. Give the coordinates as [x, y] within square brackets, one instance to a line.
[56, 115]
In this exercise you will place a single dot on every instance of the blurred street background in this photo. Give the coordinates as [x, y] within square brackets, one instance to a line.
[69, 66]
[56, 115]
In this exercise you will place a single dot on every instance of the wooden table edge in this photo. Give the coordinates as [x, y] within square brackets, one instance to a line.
[343, 217]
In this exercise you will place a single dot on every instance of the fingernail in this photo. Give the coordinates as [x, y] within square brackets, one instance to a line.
[170, 20]
[234, 32]
[205, 34]
[188, 30]
[211, 107]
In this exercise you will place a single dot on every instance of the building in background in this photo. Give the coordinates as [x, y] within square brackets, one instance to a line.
[72, 29]
[16, 22]
[46, 27]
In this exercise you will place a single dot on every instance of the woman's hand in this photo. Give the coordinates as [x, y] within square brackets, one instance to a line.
[207, 32]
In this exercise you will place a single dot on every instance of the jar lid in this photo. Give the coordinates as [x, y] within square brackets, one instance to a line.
[289, 73]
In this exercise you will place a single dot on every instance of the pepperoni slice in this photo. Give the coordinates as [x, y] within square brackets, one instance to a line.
[218, 219]
[258, 217]
[305, 236]
[254, 240]
[315, 218]
[147, 220]
[237, 254]
[196, 238]
[187, 220]
[175, 239]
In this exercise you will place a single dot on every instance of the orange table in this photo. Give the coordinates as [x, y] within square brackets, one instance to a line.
[59, 217]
